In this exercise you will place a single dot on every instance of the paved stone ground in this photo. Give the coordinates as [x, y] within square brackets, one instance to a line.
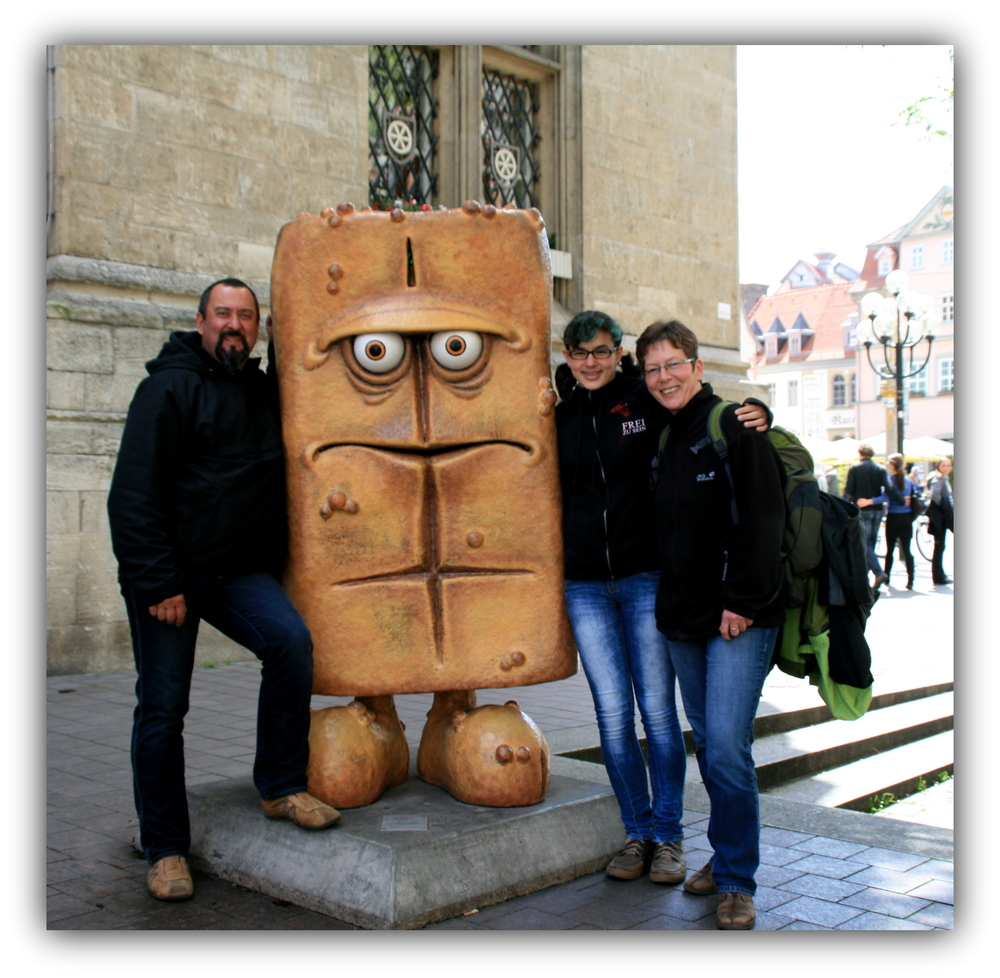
[96, 881]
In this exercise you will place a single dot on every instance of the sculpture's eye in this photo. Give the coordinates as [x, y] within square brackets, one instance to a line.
[457, 349]
[379, 352]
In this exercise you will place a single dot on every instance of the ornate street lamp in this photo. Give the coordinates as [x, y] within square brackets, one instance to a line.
[900, 322]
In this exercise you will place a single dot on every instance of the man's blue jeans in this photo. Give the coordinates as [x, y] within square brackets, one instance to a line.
[721, 683]
[254, 611]
[871, 516]
[623, 653]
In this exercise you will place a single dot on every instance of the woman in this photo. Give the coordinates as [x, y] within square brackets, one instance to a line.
[941, 514]
[608, 427]
[720, 599]
[899, 521]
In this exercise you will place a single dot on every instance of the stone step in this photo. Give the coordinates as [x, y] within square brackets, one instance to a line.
[798, 753]
[790, 708]
[853, 785]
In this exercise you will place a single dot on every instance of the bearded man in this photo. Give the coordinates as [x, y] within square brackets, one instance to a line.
[198, 526]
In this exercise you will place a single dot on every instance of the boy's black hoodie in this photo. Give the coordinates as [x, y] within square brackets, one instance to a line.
[607, 440]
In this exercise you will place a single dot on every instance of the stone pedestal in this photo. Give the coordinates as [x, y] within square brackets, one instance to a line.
[414, 857]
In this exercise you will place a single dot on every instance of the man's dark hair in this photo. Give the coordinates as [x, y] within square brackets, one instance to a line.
[584, 326]
[233, 283]
[865, 450]
[672, 331]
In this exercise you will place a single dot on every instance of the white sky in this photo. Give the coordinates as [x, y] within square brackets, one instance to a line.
[821, 164]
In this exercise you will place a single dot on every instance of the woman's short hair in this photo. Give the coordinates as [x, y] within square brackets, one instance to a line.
[670, 330]
[584, 326]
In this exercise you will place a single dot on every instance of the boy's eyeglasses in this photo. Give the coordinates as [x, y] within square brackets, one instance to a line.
[601, 353]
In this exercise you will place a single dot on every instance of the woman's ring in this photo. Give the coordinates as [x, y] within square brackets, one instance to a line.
[734, 628]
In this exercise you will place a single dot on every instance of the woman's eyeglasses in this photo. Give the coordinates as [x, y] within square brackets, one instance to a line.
[674, 367]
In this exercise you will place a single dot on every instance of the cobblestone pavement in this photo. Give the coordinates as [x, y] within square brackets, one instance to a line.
[96, 881]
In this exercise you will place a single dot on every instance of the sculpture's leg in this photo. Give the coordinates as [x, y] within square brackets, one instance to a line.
[356, 752]
[487, 755]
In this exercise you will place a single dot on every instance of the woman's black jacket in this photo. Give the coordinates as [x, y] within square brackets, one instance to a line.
[708, 563]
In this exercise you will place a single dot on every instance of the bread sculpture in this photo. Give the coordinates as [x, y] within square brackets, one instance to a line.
[425, 549]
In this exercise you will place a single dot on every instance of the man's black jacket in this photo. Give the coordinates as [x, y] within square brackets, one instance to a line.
[867, 479]
[199, 486]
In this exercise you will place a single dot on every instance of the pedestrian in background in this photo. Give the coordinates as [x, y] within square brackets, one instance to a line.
[899, 521]
[866, 479]
[941, 514]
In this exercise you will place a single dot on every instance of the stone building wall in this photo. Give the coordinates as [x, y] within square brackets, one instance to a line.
[659, 184]
[172, 166]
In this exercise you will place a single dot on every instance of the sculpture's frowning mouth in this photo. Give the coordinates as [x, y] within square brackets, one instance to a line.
[428, 452]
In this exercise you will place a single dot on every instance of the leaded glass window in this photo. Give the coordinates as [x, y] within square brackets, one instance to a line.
[510, 140]
[402, 146]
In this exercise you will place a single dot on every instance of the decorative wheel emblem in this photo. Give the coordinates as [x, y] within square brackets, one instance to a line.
[399, 136]
[505, 165]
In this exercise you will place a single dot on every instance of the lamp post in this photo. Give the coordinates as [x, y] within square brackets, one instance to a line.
[899, 321]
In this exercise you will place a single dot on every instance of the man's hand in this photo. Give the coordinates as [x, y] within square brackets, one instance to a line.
[173, 610]
[752, 416]
[733, 625]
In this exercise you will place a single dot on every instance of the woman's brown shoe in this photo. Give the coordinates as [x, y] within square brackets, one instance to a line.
[735, 912]
[701, 883]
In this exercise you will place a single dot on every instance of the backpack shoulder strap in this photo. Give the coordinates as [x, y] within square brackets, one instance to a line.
[717, 439]
[716, 436]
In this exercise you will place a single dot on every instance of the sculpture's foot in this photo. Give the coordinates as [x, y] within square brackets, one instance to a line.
[356, 752]
[487, 755]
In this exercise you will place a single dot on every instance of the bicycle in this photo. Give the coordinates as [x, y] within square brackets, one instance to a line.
[923, 538]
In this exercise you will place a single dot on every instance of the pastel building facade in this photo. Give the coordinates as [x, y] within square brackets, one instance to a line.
[924, 248]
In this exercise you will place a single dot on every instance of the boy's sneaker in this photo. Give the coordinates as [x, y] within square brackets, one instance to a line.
[669, 864]
[632, 861]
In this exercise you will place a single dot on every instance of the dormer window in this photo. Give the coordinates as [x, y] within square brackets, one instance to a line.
[794, 344]
[886, 259]
[771, 344]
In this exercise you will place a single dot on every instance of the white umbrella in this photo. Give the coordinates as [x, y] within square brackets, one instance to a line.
[877, 442]
[927, 447]
[841, 450]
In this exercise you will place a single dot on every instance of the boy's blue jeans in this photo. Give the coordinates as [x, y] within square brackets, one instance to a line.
[625, 660]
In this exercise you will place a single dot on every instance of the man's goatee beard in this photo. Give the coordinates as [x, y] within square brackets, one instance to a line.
[232, 358]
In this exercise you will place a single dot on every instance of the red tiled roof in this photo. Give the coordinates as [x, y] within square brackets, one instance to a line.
[824, 308]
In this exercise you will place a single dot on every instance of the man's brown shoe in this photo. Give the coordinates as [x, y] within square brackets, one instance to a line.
[302, 809]
[701, 883]
[632, 861]
[668, 865]
[170, 879]
[735, 912]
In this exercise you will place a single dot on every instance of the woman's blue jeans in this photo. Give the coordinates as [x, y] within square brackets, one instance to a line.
[721, 683]
[624, 656]
[254, 611]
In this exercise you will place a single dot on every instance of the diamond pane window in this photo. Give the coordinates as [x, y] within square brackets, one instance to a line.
[510, 163]
[402, 147]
